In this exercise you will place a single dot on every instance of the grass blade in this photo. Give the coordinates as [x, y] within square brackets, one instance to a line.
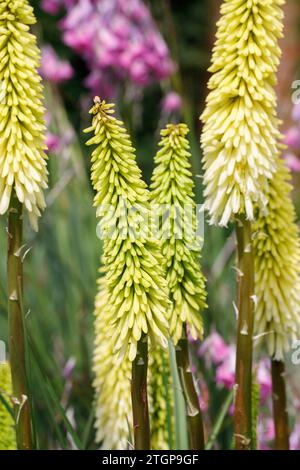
[219, 422]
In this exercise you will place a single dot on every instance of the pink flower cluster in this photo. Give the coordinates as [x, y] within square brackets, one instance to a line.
[53, 68]
[117, 39]
[265, 432]
[292, 140]
[51, 6]
[171, 103]
[295, 437]
[54, 6]
[216, 352]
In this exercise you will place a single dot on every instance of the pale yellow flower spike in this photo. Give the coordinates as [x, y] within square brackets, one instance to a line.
[240, 133]
[7, 425]
[138, 292]
[22, 157]
[277, 268]
[112, 381]
[172, 187]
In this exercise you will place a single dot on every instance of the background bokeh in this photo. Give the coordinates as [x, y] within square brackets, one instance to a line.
[151, 59]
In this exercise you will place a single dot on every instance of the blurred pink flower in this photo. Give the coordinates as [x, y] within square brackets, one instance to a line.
[118, 40]
[292, 137]
[96, 81]
[53, 68]
[171, 103]
[296, 112]
[69, 367]
[264, 379]
[138, 73]
[51, 6]
[265, 432]
[225, 372]
[53, 142]
[79, 40]
[295, 437]
[214, 348]
[292, 161]
[204, 395]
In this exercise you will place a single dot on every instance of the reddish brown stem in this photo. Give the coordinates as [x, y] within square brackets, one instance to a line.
[280, 406]
[193, 410]
[139, 397]
[243, 398]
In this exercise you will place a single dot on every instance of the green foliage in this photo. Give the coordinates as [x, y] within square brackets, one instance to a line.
[255, 412]
[7, 429]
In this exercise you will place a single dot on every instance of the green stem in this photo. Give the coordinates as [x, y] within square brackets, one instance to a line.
[139, 397]
[192, 406]
[220, 420]
[243, 399]
[166, 395]
[16, 325]
[181, 435]
[280, 406]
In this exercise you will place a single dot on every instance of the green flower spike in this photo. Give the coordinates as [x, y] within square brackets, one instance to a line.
[138, 294]
[172, 190]
[22, 157]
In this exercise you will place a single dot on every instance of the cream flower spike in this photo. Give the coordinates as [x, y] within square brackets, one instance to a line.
[22, 143]
[240, 134]
[112, 380]
[114, 410]
[276, 245]
[138, 293]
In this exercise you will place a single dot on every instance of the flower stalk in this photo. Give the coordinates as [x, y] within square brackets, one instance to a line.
[181, 433]
[138, 304]
[279, 405]
[140, 409]
[23, 176]
[172, 188]
[137, 290]
[16, 324]
[243, 398]
[192, 405]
